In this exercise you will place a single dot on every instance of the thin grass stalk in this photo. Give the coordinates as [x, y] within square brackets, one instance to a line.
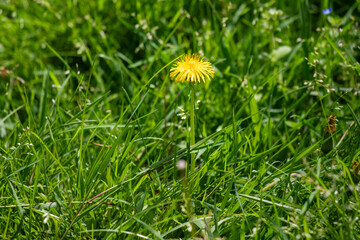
[192, 126]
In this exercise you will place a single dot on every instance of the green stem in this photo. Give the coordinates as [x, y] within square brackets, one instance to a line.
[192, 126]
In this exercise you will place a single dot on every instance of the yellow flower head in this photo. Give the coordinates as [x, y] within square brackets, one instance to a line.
[192, 68]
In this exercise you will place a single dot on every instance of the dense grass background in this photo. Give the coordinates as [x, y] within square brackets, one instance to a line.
[79, 74]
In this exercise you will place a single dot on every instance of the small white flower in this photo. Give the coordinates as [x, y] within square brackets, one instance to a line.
[181, 164]
[46, 217]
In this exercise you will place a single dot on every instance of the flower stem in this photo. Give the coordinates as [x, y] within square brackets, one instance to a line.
[192, 126]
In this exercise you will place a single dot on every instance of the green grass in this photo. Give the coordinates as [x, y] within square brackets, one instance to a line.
[91, 126]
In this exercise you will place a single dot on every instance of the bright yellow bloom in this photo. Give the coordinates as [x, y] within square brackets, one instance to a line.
[192, 68]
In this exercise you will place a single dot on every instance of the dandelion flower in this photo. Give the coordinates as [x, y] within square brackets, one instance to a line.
[192, 68]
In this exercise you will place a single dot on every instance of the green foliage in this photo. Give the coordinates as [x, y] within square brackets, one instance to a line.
[91, 127]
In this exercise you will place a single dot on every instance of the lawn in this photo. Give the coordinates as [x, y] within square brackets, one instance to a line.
[98, 140]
